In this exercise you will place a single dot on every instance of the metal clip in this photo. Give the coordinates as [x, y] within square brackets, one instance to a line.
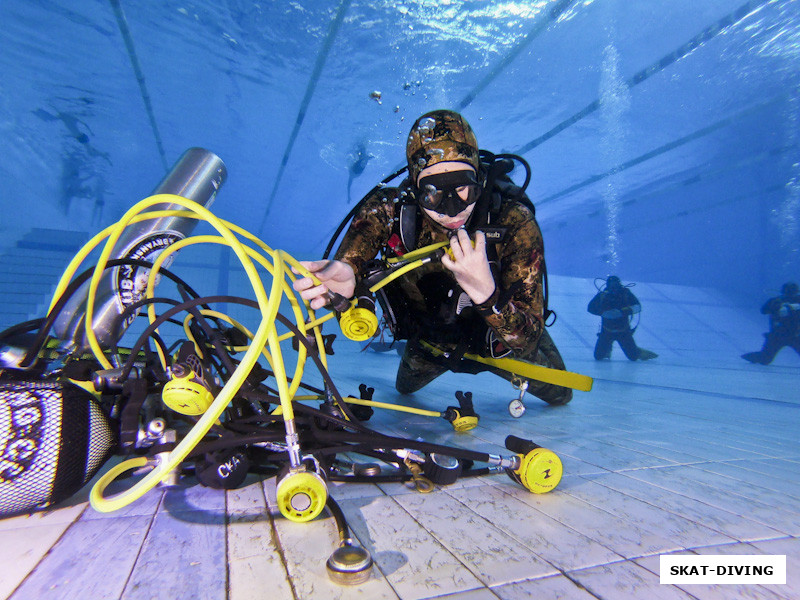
[422, 483]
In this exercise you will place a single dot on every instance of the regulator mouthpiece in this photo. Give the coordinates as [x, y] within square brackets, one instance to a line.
[350, 564]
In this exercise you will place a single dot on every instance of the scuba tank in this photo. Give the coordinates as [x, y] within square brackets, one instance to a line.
[197, 176]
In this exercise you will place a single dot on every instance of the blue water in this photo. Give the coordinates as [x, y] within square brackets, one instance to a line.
[663, 136]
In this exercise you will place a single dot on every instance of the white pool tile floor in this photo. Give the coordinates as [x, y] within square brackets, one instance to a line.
[695, 452]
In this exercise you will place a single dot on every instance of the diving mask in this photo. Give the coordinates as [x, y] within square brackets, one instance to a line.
[448, 193]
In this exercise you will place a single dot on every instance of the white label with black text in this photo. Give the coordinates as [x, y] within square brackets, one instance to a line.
[716, 569]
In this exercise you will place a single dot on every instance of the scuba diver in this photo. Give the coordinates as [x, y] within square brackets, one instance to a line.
[486, 296]
[616, 305]
[359, 159]
[784, 325]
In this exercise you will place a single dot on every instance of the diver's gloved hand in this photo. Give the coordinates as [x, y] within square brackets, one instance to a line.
[334, 276]
[470, 266]
[614, 313]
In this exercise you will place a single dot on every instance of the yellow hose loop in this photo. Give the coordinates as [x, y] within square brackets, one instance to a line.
[96, 493]
[266, 331]
[156, 214]
[264, 262]
[78, 259]
[197, 432]
[114, 236]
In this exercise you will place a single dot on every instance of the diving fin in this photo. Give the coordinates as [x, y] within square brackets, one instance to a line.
[646, 354]
[576, 381]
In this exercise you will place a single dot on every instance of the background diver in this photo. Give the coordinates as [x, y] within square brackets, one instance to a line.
[488, 297]
[784, 325]
[616, 305]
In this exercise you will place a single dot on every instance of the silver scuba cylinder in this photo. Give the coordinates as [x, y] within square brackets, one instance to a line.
[197, 176]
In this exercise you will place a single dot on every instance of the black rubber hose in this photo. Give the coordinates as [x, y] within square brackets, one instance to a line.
[520, 445]
[338, 516]
[24, 327]
[377, 440]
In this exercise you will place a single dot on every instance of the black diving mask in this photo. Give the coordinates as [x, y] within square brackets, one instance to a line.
[448, 193]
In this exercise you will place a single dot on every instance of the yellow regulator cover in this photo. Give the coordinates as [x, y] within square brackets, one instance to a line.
[540, 470]
[358, 324]
[462, 424]
[186, 396]
[301, 496]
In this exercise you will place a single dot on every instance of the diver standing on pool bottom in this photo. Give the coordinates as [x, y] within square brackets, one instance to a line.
[487, 297]
[616, 305]
[784, 325]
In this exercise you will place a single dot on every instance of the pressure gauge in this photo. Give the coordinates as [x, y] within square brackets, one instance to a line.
[516, 408]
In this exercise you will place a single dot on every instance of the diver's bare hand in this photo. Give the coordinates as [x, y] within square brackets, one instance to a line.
[470, 266]
[333, 275]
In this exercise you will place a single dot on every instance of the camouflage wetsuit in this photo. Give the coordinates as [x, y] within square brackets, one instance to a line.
[510, 320]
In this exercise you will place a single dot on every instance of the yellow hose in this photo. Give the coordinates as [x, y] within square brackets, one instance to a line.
[400, 272]
[419, 252]
[262, 260]
[201, 428]
[116, 232]
[265, 334]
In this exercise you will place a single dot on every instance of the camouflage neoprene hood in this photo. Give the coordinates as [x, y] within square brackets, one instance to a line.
[439, 136]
